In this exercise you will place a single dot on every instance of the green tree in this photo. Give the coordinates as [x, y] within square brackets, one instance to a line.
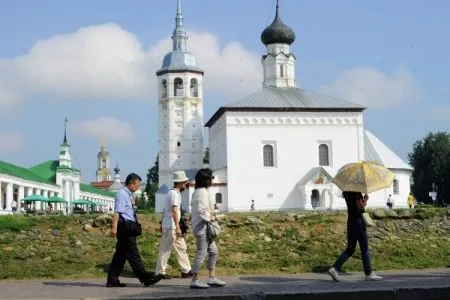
[152, 183]
[430, 159]
[206, 156]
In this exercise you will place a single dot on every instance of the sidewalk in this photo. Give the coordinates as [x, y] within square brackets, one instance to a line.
[408, 285]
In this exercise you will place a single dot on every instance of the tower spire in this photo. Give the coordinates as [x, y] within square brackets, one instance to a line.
[65, 131]
[179, 36]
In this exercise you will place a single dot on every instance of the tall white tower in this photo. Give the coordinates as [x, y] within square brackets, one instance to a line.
[279, 62]
[180, 110]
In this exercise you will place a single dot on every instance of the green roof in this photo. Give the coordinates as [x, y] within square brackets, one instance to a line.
[46, 170]
[19, 172]
[90, 189]
[49, 168]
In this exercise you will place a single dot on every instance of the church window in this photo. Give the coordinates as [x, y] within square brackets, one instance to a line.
[268, 155]
[164, 89]
[281, 71]
[178, 144]
[218, 198]
[324, 159]
[194, 87]
[395, 187]
[178, 89]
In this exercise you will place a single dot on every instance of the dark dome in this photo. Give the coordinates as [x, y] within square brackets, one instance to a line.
[277, 33]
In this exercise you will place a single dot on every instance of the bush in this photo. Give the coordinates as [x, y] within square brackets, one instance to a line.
[16, 223]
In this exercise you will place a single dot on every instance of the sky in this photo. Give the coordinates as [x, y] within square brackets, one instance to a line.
[94, 62]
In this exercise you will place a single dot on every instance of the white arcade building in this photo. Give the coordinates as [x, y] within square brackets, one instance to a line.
[48, 179]
[280, 146]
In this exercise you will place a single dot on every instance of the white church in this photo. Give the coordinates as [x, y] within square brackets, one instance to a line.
[280, 146]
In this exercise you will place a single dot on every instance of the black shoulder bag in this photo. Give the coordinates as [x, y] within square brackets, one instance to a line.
[183, 224]
[131, 228]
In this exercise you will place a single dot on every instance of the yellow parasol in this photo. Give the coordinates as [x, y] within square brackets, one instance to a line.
[364, 177]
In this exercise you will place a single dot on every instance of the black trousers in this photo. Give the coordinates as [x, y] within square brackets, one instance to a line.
[127, 250]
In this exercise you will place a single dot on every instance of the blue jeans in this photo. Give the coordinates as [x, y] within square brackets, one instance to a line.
[356, 232]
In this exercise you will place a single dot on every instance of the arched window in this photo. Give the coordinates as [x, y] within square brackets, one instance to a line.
[178, 87]
[268, 155]
[323, 155]
[194, 87]
[281, 71]
[164, 89]
[395, 187]
[218, 198]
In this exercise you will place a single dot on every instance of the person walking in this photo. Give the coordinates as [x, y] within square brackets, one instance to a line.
[411, 200]
[14, 206]
[126, 247]
[390, 201]
[356, 233]
[171, 232]
[202, 208]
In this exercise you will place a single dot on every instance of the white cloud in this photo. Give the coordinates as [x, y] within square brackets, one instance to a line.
[107, 128]
[370, 87]
[108, 62]
[10, 141]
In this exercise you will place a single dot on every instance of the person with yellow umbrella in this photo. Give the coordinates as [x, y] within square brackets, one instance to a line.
[355, 179]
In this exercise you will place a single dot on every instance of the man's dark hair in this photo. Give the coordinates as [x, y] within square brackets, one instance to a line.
[203, 178]
[132, 178]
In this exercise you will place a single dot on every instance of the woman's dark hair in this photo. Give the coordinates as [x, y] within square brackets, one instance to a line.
[352, 195]
[203, 178]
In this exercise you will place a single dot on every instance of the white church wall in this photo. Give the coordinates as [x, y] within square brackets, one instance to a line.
[218, 145]
[296, 137]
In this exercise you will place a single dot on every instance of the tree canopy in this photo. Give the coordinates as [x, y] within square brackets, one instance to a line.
[430, 159]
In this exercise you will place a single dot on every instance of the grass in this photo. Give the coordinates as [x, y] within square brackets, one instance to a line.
[57, 247]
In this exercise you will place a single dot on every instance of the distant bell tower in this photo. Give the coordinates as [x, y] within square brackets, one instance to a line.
[180, 96]
[103, 162]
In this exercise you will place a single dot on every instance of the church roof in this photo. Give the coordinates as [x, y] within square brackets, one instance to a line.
[22, 173]
[318, 175]
[179, 61]
[286, 99]
[375, 150]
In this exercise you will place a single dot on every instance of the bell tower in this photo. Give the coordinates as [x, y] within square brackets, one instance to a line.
[103, 163]
[180, 96]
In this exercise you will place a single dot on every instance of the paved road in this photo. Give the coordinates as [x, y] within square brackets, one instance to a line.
[409, 285]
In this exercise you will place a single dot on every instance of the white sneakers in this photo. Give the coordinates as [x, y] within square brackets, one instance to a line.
[198, 285]
[335, 275]
[213, 281]
[373, 277]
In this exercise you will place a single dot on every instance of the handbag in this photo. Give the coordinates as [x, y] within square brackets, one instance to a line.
[367, 219]
[183, 224]
[131, 228]
[213, 230]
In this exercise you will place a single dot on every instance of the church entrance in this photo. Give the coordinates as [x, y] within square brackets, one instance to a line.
[315, 198]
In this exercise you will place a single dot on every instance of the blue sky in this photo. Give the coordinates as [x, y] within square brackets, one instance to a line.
[94, 62]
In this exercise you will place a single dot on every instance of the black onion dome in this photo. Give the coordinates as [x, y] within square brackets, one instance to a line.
[277, 32]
